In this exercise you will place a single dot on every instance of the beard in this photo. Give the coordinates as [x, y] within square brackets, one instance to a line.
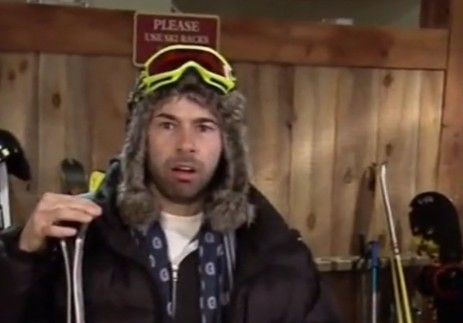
[180, 192]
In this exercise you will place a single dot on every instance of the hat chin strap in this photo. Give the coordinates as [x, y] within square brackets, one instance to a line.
[5, 217]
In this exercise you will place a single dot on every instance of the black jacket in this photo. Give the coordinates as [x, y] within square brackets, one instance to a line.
[276, 279]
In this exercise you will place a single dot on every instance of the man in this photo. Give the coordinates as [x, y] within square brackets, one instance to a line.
[176, 234]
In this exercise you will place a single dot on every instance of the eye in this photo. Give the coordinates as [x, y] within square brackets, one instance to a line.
[166, 125]
[206, 127]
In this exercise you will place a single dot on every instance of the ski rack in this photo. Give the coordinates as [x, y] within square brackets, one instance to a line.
[357, 263]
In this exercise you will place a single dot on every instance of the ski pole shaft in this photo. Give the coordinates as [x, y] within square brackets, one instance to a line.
[396, 263]
[398, 306]
[375, 267]
[5, 217]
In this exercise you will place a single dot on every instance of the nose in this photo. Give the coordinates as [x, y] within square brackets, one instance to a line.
[186, 141]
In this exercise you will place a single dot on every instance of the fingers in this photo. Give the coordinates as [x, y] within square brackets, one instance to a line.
[66, 214]
[59, 232]
[55, 216]
[58, 203]
[59, 210]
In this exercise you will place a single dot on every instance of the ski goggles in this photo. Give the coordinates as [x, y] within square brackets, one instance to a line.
[169, 64]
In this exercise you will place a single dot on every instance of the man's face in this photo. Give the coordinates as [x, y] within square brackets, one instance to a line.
[184, 148]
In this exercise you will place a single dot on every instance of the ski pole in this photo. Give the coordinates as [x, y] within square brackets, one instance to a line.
[5, 217]
[375, 267]
[398, 305]
[396, 261]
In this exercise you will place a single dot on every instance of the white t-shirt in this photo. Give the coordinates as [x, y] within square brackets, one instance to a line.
[179, 232]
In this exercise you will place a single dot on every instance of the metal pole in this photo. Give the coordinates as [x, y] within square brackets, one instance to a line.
[396, 265]
[5, 217]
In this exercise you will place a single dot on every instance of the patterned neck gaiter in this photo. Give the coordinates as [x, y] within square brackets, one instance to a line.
[216, 262]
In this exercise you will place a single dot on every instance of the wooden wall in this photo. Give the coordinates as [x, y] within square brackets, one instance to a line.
[314, 132]
[62, 106]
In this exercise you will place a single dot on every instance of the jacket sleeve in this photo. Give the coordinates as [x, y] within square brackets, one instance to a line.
[323, 311]
[25, 284]
[321, 308]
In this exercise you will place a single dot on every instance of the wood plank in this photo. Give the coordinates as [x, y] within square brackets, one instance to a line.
[53, 105]
[77, 116]
[398, 145]
[406, 156]
[356, 124]
[109, 32]
[18, 114]
[366, 221]
[431, 97]
[65, 29]
[312, 155]
[64, 130]
[331, 45]
[268, 91]
[451, 142]
[107, 101]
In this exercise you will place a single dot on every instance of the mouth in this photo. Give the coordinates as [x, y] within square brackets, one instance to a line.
[184, 173]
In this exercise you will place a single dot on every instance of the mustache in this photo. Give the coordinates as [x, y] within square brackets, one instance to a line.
[184, 159]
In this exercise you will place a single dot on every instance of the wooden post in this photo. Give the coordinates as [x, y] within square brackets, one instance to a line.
[450, 171]
[435, 14]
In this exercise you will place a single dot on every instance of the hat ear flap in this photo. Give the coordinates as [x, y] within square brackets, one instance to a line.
[228, 208]
[135, 199]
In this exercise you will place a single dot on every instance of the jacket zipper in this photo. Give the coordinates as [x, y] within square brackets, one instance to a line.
[174, 288]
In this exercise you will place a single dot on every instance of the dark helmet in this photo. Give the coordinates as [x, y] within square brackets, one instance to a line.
[12, 153]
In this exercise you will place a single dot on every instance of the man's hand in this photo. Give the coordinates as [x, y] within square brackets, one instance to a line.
[49, 216]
